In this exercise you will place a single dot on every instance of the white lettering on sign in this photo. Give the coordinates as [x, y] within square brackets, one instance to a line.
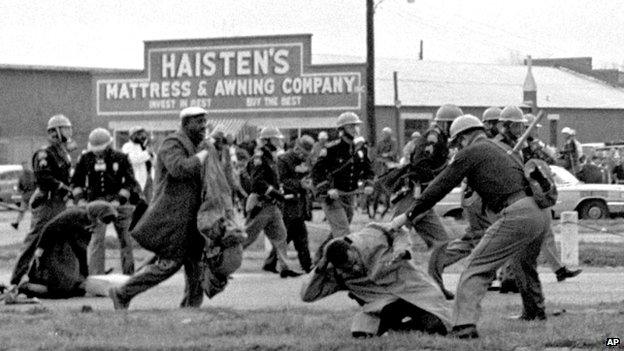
[165, 104]
[281, 59]
[318, 85]
[144, 90]
[240, 63]
[243, 87]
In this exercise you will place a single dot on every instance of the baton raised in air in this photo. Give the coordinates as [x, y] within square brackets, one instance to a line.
[524, 136]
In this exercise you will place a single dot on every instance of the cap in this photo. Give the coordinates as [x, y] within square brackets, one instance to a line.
[416, 134]
[192, 112]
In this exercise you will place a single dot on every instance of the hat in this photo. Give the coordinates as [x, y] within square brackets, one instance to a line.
[416, 134]
[99, 139]
[192, 112]
[568, 130]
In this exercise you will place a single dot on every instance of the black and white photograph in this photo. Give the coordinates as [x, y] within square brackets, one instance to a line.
[311, 175]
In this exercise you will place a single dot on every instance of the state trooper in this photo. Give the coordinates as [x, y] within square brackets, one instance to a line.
[514, 123]
[51, 166]
[429, 158]
[105, 174]
[491, 121]
[535, 147]
[263, 204]
[337, 173]
[294, 167]
[517, 234]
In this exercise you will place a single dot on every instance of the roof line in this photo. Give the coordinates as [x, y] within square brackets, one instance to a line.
[17, 67]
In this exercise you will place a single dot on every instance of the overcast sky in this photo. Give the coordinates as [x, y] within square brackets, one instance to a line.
[110, 33]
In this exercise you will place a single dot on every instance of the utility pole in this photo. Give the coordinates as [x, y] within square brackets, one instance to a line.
[370, 72]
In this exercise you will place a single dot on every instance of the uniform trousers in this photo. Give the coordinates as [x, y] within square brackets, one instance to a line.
[41, 215]
[298, 234]
[517, 235]
[429, 226]
[270, 220]
[97, 251]
[160, 269]
[339, 213]
[448, 253]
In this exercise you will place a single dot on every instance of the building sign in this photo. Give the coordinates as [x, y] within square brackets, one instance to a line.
[237, 75]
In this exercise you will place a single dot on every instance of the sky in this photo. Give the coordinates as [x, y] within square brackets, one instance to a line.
[110, 33]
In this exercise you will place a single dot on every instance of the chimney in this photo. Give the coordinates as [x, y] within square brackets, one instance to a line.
[529, 88]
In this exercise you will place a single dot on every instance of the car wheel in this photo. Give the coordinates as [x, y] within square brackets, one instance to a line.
[593, 209]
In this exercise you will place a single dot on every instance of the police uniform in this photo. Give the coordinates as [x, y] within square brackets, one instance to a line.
[340, 166]
[263, 212]
[108, 176]
[294, 208]
[517, 234]
[429, 157]
[479, 219]
[51, 166]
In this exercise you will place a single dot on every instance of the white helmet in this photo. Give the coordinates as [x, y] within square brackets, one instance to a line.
[99, 139]
[512, 114]
[348, 118]
[464, 123]
[58, 121]
[568, 130]
[270, 132]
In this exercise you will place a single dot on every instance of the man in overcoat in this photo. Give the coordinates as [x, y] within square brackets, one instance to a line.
[374, 266]
[169, 226]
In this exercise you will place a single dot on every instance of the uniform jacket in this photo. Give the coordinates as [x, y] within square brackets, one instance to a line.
[51, 166]
[291, 182]
[343, 166]
[103, 176]
[383, 282]
[262, 169]
[138, 159]
[488, 170]
[169, 226]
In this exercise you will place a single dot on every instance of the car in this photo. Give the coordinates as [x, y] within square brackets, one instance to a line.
[9, 177]
[591, 201]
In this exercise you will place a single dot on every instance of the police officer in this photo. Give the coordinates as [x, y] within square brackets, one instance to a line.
[294, 167]
[337, 173]
[429, 158]
[263, 204]
[512, 117]
[51, 166]
[490, 119]
[106, 174]
[517, 234]
[537, 148]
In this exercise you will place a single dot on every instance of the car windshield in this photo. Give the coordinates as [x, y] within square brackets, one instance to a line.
[563, 177]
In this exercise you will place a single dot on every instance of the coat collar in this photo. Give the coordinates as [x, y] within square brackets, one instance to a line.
[186, 142]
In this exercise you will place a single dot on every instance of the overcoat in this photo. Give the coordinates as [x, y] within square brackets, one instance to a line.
[169, 226]
[384, 282]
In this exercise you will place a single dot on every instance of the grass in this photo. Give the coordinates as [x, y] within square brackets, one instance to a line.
[285, 329]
